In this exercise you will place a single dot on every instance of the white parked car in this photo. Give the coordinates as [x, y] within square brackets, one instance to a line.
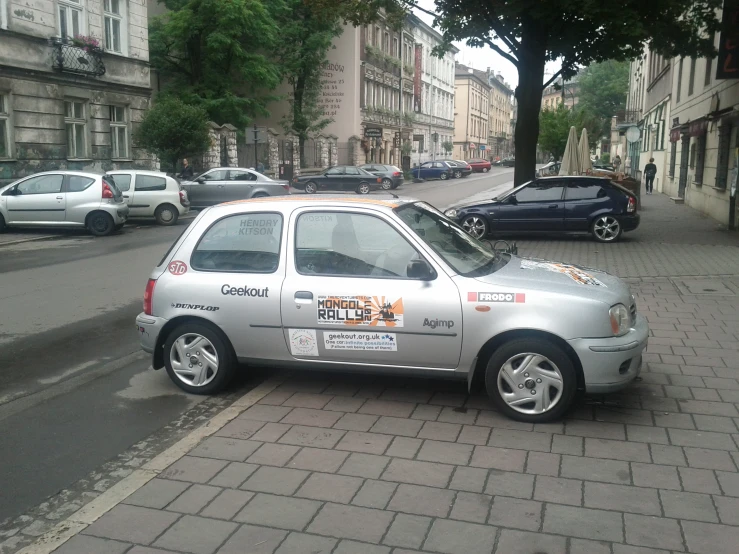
[151, 194]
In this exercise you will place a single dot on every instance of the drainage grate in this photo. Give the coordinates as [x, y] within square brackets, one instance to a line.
[705, 287]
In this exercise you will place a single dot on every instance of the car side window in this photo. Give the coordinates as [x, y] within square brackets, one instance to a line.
[540, 192]
[78, 183]
[426, 164]
[335, 171]
[214, 175]
[248, 243]
[351, 245]
[352, 171]
[150, 183]
[43, 184]
[123, 182]
[242, 176]
[585, 190]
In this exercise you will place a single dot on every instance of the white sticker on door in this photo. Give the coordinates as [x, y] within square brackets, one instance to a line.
[303, 342]
[359, 340]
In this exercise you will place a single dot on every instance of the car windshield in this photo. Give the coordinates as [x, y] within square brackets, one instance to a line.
[465, 254]
[511, 192]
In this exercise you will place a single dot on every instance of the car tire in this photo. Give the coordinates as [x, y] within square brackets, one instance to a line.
[476, 226]
[510, 383]
[387, 184]
[2, 224]
[444, 176]
[311, 188]
[485, 169]
[363, 188]
[216, 355]
[166, 215]
[260, 195]
[606, 228]
[100, 224]
[457, 174]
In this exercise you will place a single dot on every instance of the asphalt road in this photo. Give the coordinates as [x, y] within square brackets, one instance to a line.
[75, 390]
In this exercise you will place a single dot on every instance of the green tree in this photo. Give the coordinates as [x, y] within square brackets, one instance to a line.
[216, 54]
[448, 146]
[554, 127]
[529, 33]
[603, 90]
[173, 130]
[307, 33]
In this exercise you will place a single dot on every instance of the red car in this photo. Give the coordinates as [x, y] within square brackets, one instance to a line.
[479, 165]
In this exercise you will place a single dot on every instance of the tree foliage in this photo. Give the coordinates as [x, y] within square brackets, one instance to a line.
[216, 54]
[555, 124]
[173, 130]
[603, 90]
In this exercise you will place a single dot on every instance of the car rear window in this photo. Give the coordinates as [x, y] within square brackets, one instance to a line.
[122, 182]
[248, 243]
[78, 183]
[150, 183]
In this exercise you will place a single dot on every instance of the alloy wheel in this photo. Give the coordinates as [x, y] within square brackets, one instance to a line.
[364, 188]
[444, 176]
[475, 226]
[194, 359]
[530, 383]
[387, 184]
[310, 188]
[606, 228]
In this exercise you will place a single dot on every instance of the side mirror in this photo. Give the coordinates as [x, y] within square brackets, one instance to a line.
[200, 180]
[421, 270]
[512, 199]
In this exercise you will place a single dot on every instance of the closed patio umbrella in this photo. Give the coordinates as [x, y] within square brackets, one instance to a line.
[586, 163]
[570, 160]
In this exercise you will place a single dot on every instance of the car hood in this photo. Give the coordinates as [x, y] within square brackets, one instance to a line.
[477, 204]
[558, 277]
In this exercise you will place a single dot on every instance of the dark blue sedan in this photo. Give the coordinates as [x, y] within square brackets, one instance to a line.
[432, 170]
[592, 205]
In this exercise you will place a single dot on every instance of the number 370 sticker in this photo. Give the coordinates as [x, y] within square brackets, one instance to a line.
[177, 268]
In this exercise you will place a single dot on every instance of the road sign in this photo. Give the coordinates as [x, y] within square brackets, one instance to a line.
[396, 142]
[483, 147]
[633, 133]
[472, 146]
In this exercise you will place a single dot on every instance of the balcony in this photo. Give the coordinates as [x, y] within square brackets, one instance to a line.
[380, 60]
[73, 56]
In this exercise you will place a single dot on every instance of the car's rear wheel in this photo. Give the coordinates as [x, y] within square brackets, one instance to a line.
[166, 214]
[260, 195]
[606, 228]
[475, 226]
[485, 169]
[198, 358]
[310, 187]
[363, 188]
[444, 176]
[100, 224]
[531, 380]
[387, 184]
[457, 174]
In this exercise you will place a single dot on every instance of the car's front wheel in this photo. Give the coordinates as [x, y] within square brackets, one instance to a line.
[485, 169]
[387, 184]
[310, 187]
[475, 226]
[198, 359]
[606, 228]
[363, 188]
[444, 176]
[531, 380]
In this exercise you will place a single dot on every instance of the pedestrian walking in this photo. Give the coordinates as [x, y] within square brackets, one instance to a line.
[650, 171]
[186, 173]
[617, 162]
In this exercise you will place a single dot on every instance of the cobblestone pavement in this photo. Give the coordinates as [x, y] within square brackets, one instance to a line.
[361, 464]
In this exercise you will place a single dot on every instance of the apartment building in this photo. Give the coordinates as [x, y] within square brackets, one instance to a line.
[557, 93]
[471, 113]
[501, 112]
[74, 82]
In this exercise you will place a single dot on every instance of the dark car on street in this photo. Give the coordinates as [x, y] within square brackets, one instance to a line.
[392, 177]
[433, 170]
[480, 165]
[508, 162]
[574, 204]
[340, 177]
[460, 168]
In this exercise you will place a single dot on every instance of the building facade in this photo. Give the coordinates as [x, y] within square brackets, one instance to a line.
[556, 93]
[74, 83]
[471, 113]
[501, 113]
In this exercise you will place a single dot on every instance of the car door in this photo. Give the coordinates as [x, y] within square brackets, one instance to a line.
[124, 183]
[332, 178]
[539, 206]
[441, 167]
[38, 199]
[425, 170]
[352, 177]
[147, 193]
[81, 196]
[240, 185]
[584, 199]
[347, 297]
[208, 188]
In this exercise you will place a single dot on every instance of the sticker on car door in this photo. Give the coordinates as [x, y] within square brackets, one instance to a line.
[360, 340]
[372, 311]
[303, 342]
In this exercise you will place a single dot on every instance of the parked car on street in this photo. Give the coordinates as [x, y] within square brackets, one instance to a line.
[552, 168]
[508, 162]
[64, 199]
[385, 285]
[432, 170]
[339, 177]
[603, 166]
[460, 168]
[392, 177]
[480, 165]
[574, 204]
[151, 194]
[225, 184]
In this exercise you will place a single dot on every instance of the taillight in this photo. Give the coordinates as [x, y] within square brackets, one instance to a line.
[397, 174]
[149, 295]
[182, 198]
[107, 193]
[632, 205]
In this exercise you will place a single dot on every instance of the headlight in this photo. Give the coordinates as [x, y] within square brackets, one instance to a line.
[451, 213]
[620, 319]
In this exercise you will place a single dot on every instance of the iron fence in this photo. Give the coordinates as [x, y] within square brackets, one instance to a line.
[251, 156]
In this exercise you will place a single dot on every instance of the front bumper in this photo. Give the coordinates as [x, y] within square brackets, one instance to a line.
[149, 328]
[610, 364]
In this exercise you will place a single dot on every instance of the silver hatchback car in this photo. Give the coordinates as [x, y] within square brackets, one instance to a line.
[384, 285]
[63, 199]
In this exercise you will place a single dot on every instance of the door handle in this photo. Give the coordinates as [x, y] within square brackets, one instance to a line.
[553, 206]
[303, 295]
[60, 198]
[125, 196]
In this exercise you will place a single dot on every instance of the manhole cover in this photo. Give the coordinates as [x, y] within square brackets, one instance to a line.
[711, 287]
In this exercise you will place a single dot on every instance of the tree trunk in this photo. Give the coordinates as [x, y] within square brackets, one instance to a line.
[528, 96]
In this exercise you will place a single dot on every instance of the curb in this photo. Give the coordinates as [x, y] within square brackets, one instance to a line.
[89, 513]
[20, 241]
